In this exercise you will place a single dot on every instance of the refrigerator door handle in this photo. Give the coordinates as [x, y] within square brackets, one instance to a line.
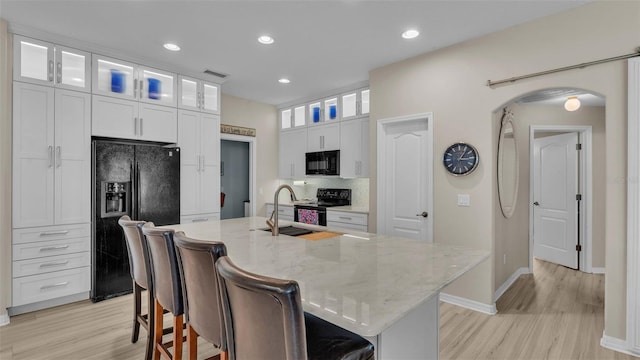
[198, 160]
[137, 187]
[202, 160]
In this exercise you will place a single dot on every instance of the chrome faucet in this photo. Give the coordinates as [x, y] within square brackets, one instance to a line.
[273, 220]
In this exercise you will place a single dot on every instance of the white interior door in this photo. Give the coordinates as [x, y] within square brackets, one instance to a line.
[555, 209]
[406, 166]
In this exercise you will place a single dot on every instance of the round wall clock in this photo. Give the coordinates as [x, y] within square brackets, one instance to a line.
[460, 159]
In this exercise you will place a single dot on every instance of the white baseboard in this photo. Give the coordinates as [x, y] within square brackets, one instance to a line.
[469, 304]
[598, 270]
[616, 344]
[4, 318]
[507, 284]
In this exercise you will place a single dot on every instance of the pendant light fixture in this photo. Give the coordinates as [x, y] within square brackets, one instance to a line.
[572, 103]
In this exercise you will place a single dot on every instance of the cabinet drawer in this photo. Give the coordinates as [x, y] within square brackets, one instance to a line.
[48, 248]
[347, 217]
[50, 263]
[21, 236]
[283, 210]
[30, 289]
[199, 218]
[331, 224]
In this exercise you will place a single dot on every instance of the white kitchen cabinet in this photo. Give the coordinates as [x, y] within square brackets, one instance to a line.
[355, 104]
[127, 119]
[198, 95]
[293, 145]
[323, 111]
[51, 156]
[199, 141]
[294, 117]
[323, 137]
[285, 212]
[125, 80]
[44, 63]
[354, 148]
[50, 262]
[199, 218]
[347, 220]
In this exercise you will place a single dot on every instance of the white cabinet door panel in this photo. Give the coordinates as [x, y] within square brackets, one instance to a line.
[210, 189]
[33, 61]
[189, 184]
[158, 123]
[72, 157]
[114, 118]
[33, 147]
[210, 98]
[210, 139]
[189, 137]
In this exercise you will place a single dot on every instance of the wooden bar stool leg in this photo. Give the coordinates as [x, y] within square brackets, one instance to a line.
[224, 355]
[192, 343]
[150, 326]
[158, 311]
[177, 337]
[137, 304]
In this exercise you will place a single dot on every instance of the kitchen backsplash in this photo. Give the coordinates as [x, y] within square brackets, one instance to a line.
[359, 189]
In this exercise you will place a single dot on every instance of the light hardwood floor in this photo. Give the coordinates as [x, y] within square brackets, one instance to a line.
[555, 314]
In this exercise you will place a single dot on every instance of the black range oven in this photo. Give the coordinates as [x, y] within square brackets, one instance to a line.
[316, 214]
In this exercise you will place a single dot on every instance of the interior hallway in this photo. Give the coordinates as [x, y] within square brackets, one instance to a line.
[555, 313]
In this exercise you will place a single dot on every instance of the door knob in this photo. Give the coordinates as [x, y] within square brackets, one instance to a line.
[536, 203]
[423, 214]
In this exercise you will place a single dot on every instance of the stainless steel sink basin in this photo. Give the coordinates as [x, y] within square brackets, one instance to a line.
[292, 230]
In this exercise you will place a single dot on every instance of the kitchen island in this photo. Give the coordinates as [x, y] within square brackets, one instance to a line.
[381, 287]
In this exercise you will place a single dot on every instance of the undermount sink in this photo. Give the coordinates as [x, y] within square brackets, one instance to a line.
[292, 230]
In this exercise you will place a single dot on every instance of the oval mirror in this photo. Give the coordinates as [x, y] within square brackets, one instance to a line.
[507, 166]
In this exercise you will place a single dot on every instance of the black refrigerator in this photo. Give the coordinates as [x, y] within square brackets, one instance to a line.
[139, 180]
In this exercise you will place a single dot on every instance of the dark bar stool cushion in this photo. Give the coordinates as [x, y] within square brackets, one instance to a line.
[325, 338]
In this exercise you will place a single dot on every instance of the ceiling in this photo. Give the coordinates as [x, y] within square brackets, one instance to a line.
[319, 45]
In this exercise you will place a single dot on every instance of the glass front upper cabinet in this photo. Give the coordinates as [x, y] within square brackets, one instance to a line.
[113, 77]
[299, 116]
[355, 104]
[198, 95]
[315, 112]
[44, 63]
[285, 119]
[157, 87]
[330, 109]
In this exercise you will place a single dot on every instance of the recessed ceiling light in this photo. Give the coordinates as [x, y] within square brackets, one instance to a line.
[410, 34]
[171, 47]
[266, 39]
[284, 81]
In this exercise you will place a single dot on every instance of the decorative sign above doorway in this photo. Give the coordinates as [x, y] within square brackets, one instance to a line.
[237, 130]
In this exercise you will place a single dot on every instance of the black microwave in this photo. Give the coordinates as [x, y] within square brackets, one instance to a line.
[322, 163]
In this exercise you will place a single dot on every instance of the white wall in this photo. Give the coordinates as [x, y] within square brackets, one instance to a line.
[451, 83]
[263, 118]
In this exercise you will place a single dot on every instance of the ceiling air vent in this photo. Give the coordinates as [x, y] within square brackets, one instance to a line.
[216, 74]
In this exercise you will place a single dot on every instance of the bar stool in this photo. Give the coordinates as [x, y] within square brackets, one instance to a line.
[202, 305]
[264, 320]
[138, 269]
[167, 289]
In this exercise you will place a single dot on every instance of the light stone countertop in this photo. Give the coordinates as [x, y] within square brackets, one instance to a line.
[361, 282]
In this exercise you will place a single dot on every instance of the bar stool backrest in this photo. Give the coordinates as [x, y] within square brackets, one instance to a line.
[135, 250]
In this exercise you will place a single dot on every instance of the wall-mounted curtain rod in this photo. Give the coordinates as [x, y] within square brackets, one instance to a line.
[579, 66]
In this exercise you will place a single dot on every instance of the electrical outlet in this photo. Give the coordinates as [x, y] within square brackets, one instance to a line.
[464, 200]
[504, 259]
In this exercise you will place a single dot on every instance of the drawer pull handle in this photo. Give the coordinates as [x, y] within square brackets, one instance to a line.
[45, 287]
[199, 220]
[51, 264]
[49, 233]
[50, 248]
[344, 217]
